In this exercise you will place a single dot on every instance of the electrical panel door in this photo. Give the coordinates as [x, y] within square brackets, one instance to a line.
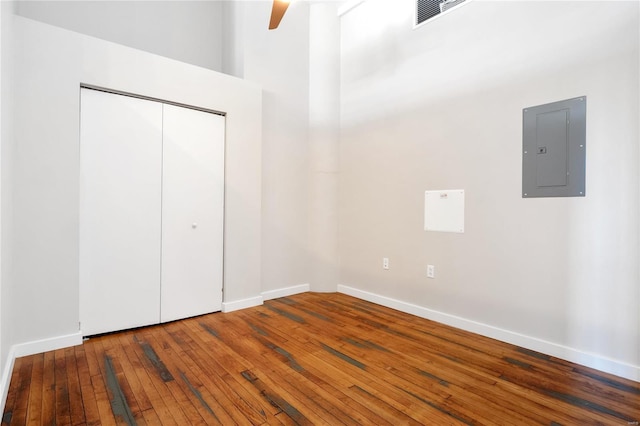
[554, 149]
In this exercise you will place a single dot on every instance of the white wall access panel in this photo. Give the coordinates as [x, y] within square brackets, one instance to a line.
[192, 212]
[120, 201]
[444, 210]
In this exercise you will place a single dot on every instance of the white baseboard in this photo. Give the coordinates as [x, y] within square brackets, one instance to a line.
[618, 368]
[284, 292]
[236, 305]
[31, 348]
[45, 345]
[265, 295]
[5, 380]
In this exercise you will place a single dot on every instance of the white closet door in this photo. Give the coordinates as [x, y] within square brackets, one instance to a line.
[192, 212]
[120, 202]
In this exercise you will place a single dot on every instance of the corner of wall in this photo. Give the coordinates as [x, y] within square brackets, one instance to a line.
[266, 295]
[5, 379]
[232, 39]
[31, 348]
[7, 10]
[285, 291]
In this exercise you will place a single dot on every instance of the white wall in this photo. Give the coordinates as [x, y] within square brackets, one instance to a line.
[298, 67]
[233, 30]
[7, 305]
[2, 102]
[324, 131]
[188, 31]
[279, 62]
[51, 63]
[440, 107]
[6, 14]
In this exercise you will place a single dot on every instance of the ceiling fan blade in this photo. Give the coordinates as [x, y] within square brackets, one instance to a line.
[277, 12]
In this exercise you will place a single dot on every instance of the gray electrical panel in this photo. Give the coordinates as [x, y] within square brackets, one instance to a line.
[554, 149]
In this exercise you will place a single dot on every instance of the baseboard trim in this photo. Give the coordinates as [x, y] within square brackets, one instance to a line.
[45, 345]
[598, 362]
[236, 305]
[250, 302]
[5, 381]
[286, 291]
[31, 348]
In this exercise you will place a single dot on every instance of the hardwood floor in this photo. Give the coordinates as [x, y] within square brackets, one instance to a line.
[310, 359]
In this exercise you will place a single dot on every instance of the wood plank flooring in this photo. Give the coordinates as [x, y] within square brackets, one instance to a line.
[326, 359]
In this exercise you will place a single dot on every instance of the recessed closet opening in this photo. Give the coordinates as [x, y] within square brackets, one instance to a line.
[151, 211]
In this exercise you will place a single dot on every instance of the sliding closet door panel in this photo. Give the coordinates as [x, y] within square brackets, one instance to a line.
[192, 212]
[120, 220]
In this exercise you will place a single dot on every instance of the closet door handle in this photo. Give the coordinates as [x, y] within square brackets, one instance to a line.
[194, 225]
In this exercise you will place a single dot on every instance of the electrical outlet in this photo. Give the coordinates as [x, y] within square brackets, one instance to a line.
[385, 263]
[431, 271]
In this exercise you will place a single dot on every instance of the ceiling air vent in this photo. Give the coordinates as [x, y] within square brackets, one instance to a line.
[427, 9]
